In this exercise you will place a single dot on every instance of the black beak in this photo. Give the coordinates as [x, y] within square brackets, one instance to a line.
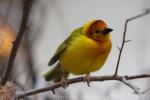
[107, 30]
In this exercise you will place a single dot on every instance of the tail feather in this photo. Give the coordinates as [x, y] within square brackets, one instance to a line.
[54, 74]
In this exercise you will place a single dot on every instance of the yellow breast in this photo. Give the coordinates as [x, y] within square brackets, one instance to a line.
[84, 55]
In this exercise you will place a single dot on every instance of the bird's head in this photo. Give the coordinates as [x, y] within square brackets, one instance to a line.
[97, 30]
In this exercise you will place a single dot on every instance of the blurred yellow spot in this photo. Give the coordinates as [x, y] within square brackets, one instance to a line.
[6, 39]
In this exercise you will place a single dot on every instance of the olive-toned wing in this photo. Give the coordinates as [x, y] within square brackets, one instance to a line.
[60, 49]
[64, 46]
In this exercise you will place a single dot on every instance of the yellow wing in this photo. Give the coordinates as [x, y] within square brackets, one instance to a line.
[64, 46]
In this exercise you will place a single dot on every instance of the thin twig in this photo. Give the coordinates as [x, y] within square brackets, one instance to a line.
[133, 87]
[80, 79]
[26, 10]
[29, 58]
[124, 37]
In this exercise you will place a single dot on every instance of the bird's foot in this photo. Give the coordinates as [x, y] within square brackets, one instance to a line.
[64, 82]
[87, 79]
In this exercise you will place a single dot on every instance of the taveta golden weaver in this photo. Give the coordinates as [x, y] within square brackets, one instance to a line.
[84, 51]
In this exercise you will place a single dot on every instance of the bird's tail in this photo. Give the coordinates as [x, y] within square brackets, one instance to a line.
[55, 74]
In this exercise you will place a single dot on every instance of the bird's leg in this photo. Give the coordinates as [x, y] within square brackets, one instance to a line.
[64, 82]
[87, 79]
[64, 78]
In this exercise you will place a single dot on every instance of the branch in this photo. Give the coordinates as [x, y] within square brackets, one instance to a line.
[133, 87]
[124, 36]
[29, 58]
[80, 79]
[26, 10]
[97, 78]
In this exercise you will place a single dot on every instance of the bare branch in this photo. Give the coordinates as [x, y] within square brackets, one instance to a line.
[97, 78]
[80, 79]
[133, 87]
[124, 36]
[29, 58]
[26, 10]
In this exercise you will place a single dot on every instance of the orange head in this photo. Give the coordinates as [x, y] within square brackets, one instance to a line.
[98, 30]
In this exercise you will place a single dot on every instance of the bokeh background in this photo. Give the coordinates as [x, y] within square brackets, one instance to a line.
[51, 21]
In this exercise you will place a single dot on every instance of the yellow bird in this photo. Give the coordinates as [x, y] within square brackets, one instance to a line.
[84, 51]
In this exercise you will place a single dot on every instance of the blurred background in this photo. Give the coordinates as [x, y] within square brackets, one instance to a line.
[51, 21]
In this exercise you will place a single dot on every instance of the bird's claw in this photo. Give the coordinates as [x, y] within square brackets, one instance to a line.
[87, 79]
[64, 82]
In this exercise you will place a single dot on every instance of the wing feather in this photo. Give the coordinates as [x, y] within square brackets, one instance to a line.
[64, 46]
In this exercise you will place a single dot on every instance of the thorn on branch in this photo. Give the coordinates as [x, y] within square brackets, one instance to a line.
[118, 48]
[53, 91]
[126, 77]
[147, 10]
[127, 41]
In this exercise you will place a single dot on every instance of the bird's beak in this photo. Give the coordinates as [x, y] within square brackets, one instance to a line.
[107, 30]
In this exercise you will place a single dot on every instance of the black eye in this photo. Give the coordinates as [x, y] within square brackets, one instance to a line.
[97, 31]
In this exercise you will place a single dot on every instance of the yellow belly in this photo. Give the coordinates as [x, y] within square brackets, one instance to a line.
[84, 55]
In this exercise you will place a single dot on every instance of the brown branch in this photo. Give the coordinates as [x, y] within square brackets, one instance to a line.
[124, 37]
[26, 10]
[133, 87]
[80, 79]
[96, 78]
